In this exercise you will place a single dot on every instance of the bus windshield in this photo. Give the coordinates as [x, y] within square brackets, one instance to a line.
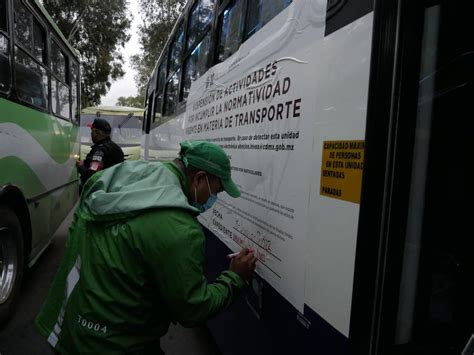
[126, 130]
[126, 123]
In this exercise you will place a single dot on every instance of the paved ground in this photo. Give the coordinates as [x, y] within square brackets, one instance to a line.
[19, 337]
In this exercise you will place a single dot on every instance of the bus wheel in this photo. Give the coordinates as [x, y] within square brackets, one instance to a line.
[11, 261]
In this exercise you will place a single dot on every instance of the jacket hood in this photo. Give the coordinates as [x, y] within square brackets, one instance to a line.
[127, 188]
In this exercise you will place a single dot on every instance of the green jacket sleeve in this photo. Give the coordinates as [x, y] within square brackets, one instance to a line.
[173, 248]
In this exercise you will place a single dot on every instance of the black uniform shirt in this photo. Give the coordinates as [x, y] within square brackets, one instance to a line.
[103, 154]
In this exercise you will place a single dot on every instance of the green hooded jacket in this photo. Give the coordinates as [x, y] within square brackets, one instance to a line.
[133, 264]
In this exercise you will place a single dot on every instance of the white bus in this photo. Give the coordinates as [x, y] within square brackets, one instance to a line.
[339, 117]
[126, 123]
[39, 126]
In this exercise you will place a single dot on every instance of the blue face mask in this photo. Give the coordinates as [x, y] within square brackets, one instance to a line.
[210, 201]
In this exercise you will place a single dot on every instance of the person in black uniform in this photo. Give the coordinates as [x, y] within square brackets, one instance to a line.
[104, 153]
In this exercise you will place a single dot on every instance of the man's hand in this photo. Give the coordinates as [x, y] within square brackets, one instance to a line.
[243, 263]
[79, 163]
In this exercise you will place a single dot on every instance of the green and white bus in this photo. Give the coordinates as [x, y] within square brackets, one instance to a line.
[39, 127]
[126, 123]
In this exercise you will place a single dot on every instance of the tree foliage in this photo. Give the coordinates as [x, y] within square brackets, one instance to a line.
[159, 17]
[98, 30]
[131, 101]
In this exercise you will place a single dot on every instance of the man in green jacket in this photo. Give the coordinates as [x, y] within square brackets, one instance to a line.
[134, 258]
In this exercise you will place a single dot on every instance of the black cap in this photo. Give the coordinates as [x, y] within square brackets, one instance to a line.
[101, 125]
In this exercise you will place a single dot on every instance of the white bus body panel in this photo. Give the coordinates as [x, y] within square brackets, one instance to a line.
[305, 240]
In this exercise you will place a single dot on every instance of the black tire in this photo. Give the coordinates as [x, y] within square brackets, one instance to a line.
[12, 261]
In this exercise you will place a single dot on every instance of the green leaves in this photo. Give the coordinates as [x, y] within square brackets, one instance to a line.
[158, 19]
[131, 101]
[99, 31]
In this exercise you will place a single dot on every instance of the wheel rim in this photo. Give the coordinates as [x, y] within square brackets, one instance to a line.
[8, 263]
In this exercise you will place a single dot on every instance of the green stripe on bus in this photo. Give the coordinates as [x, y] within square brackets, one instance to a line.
[18, 173]
[56, 136]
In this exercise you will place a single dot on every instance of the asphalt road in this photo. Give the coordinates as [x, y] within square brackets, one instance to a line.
[19, 336]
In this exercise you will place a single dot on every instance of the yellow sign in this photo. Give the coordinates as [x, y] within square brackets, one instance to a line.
[341, 170]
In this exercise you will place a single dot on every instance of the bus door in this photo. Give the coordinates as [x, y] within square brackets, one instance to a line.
[414, 264]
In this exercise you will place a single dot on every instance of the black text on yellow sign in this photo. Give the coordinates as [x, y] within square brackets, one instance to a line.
[341, 170]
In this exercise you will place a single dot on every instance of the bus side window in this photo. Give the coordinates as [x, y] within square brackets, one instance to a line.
[4, 49]
[58, 61]
[157, 107]
[171, 95]
[3, 16]
[201, 16]
[59, 90]
[4, 64]
[74, 93]
[174, 63]
[63, 100]
[197, 63]
[23, 26]
[164, 69]
[176, 50]
[39, 42]
[231, 31]
[30, 53]
[159, 93]
[31, 80]
[259, 12]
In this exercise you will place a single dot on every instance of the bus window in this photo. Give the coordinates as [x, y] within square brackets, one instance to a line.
[126, 124]
[202, 15]
[159, 92]
[171, 96]
[3, 15]
[4, 52]
[63, 99]
[59, 91]
[262, 11]
[177, 49]
[157, 107]
[161, 81]
[60, 98]
[74, 93]
[39, 42]
[164, 70]
[197, 63]
[58, 61]
[4, 64]
[31, 80]
[23, 25]
[231, 32]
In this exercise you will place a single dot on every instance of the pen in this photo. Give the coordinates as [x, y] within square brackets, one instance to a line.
[230, 256]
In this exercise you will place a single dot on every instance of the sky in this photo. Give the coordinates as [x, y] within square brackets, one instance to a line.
[126, 86]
